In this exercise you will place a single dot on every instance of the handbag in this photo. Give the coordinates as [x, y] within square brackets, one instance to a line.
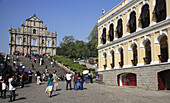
[47, 90]
[14, 83]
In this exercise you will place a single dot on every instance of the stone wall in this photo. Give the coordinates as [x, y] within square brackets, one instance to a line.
[146, 76]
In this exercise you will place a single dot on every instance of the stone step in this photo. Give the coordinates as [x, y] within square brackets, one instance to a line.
[28, 64]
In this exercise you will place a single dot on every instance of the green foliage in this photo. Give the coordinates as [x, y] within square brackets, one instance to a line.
[93, 34]
[79, 49]
[74, 66]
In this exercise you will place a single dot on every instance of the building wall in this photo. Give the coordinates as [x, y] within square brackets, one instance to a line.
[155, 49]
[146, 76]
[146, 73]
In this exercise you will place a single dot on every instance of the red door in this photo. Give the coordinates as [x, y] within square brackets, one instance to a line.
[161, 85]
[132, 79]
[129, 79]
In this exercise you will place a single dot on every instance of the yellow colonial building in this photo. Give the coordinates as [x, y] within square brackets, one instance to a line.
[133, 44]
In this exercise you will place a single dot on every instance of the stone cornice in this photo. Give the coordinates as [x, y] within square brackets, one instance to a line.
[165, 22]
[34, 35]
[31, 46]
[119, 11]
[34, 26]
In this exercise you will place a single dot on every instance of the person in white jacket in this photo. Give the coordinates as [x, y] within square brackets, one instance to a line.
[11, 88]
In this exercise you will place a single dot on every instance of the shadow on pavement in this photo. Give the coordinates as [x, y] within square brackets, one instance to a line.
[84, 88]
[58, 89]
[21, 98]
[55, 94]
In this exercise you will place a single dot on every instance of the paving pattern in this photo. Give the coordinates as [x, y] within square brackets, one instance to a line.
[93, 93]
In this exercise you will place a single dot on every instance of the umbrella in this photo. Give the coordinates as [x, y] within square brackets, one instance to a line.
[28, 71]
[85, 71]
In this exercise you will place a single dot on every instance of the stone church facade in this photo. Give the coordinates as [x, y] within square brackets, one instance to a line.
[32, 38]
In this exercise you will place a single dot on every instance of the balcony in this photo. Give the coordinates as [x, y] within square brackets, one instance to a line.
[121, 64]
[147, 60]
[112, 65]
[105, 66]
[163, 57]
[134, 62]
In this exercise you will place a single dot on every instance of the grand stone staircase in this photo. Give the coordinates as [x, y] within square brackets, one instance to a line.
[28, 65]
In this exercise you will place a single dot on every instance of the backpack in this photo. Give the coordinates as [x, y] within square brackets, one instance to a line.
[14, 83]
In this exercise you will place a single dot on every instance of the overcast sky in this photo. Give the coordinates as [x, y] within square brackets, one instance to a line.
[67, 17]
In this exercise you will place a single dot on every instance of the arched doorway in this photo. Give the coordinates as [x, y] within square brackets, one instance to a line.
[120, 28]
[105, 59]
[127, 79]
[135, 56]
[164, 80]
[132, 22]
[121, 63]
[160, 10]
[147, 58]
[104, 36]
[144, 17]
[113, 59]
[163, 49]
[111, 32]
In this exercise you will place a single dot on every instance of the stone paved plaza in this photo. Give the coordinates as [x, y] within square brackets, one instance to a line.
[93, 93]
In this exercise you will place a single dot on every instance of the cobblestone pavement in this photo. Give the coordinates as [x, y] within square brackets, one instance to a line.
[93, 93]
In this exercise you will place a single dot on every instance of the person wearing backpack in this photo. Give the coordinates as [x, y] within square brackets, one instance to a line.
[11, 88]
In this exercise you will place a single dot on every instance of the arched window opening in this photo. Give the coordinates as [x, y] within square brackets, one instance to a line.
[111, 32]
[132, 22]
[120, 28]
[144, 17]
[105, 57]
[147, 59]
[12, 38]
[42, 41]
[104, 36]
[113, 59]
[24, 40]
[163, 57]
[160, 10]
[121, 63]
[34, 42]
[135, 56]
[48, 43]
[19, 41]
[34, 31]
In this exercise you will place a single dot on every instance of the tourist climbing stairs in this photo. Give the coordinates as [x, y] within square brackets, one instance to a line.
[27, 62]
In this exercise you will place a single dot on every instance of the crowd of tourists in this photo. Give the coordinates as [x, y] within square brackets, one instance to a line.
[10, 81]
[78, 80]
[22, 76]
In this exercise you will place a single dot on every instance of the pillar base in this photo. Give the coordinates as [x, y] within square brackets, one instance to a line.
[100, 70]
[169, 60]
[140, 64]
[108, 68]
[155, 62]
